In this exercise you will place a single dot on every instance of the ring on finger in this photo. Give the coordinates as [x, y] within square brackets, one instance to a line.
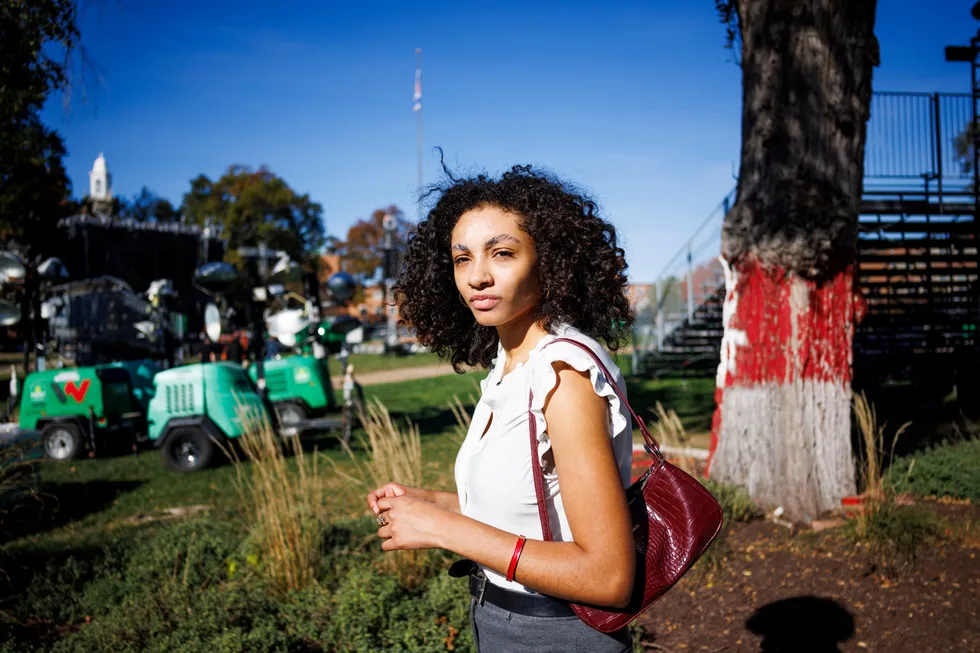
[380, 519]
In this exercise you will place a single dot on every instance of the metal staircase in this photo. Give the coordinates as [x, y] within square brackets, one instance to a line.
[918, 271]
[918, 266]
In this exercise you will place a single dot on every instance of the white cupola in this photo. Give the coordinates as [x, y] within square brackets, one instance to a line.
[99, 180]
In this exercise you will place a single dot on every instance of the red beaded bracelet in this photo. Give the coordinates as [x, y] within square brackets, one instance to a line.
[517, 554]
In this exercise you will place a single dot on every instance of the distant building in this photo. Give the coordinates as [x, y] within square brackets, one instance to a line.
[100, 184]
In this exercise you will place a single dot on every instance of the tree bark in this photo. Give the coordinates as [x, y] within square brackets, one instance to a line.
[782, 425]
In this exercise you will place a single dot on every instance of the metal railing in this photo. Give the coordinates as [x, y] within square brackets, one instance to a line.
[911, 143]
[690, 278]
[915, 135]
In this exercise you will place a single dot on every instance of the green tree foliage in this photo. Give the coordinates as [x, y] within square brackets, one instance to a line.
[147, 206]
[37, 38]
[33, 33]
[249, 206]
[363, 251]
[34, 188]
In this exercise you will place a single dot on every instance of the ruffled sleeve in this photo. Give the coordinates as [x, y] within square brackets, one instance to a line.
[543, 379]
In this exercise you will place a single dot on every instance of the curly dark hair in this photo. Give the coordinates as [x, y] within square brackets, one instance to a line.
[581, 268]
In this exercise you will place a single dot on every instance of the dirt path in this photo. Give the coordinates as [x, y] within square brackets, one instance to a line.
[776, 592]
[401, 374]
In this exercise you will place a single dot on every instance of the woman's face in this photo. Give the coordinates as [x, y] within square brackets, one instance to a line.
[494, 266]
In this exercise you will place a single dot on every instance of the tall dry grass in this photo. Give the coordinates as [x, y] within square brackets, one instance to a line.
[393, 454]
[463, 418]
[669, 432]
[872, 453]
[282, 490]
[887, 528]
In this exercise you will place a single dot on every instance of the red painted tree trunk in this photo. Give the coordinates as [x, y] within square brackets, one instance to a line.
[782, 425]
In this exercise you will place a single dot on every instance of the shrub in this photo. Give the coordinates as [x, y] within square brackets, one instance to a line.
[370, 611]
[55, 588]
[950, 470]
[736, 504]
[178, 619]
[891, 531]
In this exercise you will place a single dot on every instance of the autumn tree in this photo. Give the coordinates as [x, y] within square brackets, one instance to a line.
[363, 251]
[248, 207]
[782, 423]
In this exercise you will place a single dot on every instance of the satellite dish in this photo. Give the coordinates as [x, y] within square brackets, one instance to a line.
[11, 267]
[342, 286]
[9, 313]
[216, 277]
[212, 322]
[285, 325]
[53, 269]
[146, 328]
[285, 270]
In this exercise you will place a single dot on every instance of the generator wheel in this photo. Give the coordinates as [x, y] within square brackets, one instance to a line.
[290, 413]
[188, 449]
[62, 441]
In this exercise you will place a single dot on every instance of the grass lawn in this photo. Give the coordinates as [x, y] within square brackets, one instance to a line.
[96, 493]
[92, 494]
[364, 363]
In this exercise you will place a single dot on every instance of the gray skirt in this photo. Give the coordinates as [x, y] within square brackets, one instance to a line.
[496, 630]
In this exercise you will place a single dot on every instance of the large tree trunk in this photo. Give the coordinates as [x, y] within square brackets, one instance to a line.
[782, 426]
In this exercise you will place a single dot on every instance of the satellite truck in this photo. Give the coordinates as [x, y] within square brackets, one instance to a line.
[195, 407]
[123, 404]
[297, 383]
[185, 411]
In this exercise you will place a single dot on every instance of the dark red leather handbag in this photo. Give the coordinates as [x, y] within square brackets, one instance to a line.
[674, 520]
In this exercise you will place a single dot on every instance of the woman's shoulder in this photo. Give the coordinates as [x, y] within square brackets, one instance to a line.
[604, 376]
[558, 351]
[557, 356]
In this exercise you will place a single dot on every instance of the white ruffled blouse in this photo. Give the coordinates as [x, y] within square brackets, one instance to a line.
[493, 473]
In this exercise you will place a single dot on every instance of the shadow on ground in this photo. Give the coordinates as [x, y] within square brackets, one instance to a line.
[802, 624]
[59, 504]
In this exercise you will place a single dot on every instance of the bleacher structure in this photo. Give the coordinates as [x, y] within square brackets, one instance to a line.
[918, 266]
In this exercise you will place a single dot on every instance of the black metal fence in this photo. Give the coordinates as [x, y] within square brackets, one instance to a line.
[914, 136]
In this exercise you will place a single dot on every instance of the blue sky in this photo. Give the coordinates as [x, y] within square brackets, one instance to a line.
[637, 102]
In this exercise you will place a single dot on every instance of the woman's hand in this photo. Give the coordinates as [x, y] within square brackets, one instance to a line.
[393, 490]
[412, 523]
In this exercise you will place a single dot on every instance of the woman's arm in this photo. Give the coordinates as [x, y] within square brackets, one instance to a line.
[445, 500]
[598, 567]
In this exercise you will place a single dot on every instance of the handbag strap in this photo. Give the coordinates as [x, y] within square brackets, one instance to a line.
[651, 445]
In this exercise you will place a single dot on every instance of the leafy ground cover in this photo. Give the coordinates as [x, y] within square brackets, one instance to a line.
[121, 554]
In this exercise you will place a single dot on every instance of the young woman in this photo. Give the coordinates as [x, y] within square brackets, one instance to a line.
[498, 269]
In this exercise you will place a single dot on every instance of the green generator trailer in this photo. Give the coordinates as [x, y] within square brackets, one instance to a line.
[81, 409]
[298, 386]
[198, 408]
